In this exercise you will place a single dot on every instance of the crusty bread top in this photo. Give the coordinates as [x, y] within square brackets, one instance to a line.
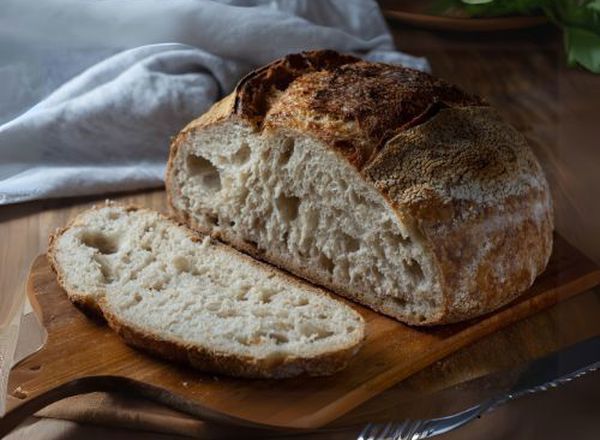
[353, 105]
[357, 108]
[466, 154]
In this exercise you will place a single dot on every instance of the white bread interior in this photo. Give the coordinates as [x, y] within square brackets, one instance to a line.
[153, 278]
[288, 196]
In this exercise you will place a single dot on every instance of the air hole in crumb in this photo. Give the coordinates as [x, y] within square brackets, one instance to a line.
[255, 339]
[201, 168]
[378, 249]
[229, 313]
[287, 207]
[350, 243]
[279, 338]
[252, 243]
[242, 155]
[287, 150]
[301, 302]
[181, 264]
[213, 219]
[157, 284]
[113, 215]
[401, 302]
[377, 275]
[265, 154]
[242, 340]
[261, 313]
[103, 243]
[311, 219]
[360, 200]
[350, 329]
[267, 295]
[399, 240]
[199, 271]
[284, 315]
[326, 263]
[259, 222]
[324, 334]
[213, 307]
[343, 269]
[242, 293]
[105, 269]
[414, 270]
[137, 297]
[356, 199]
[314, 332]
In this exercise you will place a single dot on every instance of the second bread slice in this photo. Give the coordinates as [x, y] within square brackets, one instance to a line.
[165, 290]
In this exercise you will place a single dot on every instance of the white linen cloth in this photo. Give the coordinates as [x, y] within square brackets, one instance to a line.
[117, 79]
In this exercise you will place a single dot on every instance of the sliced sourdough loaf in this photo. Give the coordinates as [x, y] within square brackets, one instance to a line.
[191, 299]
[384, 184]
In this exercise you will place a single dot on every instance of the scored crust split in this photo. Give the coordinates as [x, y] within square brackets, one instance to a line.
[381, 183]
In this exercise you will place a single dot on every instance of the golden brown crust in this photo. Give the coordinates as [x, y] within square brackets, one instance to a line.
[198, 357]
[444, 161]
[223, 363]
[472, 187]
[258, 91]
[356, 108]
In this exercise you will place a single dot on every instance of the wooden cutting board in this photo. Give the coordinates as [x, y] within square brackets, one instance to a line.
[82, 355]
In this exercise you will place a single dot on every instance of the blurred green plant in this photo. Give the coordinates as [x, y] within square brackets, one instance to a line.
[579, 20]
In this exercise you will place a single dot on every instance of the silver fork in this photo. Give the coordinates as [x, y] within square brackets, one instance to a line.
[420, 429]
[541, 375]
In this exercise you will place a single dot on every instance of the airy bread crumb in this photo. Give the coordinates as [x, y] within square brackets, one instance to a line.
[192, 299]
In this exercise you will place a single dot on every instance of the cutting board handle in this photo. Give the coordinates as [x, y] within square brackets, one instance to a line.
[88, 384]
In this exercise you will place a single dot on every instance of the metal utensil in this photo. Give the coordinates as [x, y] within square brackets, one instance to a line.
[540, 375]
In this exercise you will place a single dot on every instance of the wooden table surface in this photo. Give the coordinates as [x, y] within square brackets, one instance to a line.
[523, 75]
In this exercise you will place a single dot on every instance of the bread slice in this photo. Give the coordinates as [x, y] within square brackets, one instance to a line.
[191, 299]
[384, 184]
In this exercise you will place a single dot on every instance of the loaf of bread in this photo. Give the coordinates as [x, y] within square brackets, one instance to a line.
[168, 291]
[381, 183]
